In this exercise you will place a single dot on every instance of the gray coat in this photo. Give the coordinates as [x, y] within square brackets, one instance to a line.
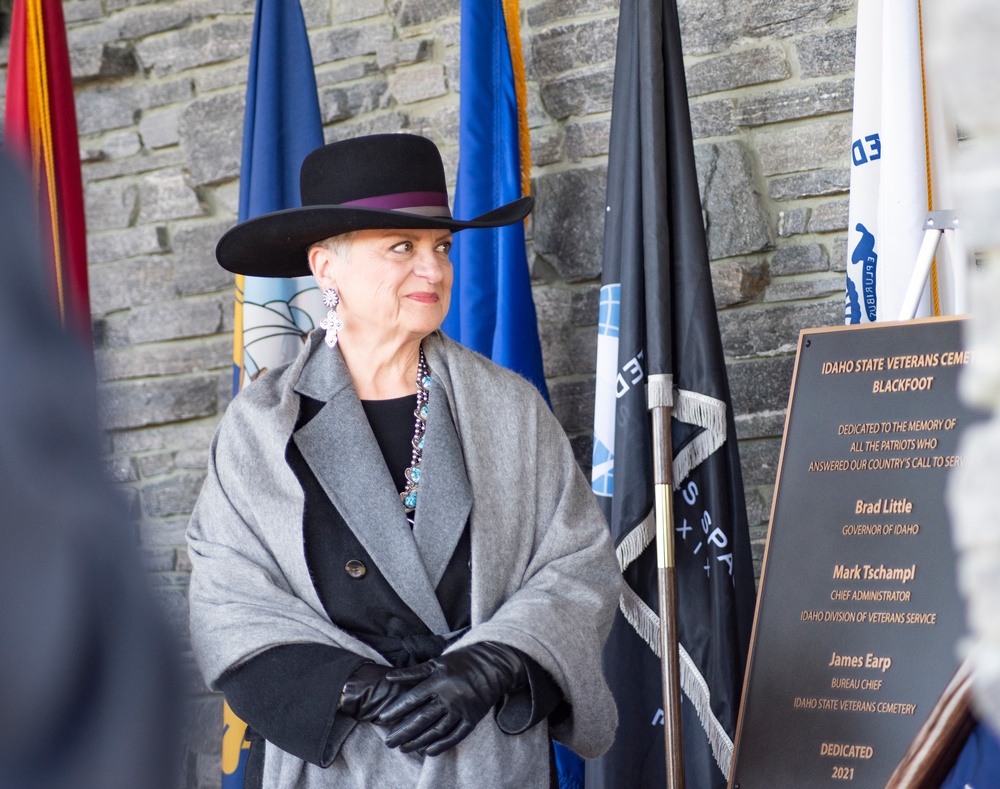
[544, 574]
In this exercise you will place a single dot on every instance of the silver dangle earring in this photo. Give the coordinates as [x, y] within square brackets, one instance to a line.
[332, 323]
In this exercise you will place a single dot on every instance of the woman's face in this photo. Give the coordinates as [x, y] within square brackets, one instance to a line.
[393, 284]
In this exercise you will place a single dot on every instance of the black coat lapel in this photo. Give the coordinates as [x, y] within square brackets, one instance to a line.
[445, 498]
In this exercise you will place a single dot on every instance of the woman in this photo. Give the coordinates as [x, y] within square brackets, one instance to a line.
[394, 539]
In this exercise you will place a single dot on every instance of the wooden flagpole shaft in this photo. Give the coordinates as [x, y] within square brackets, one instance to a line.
[663, 495]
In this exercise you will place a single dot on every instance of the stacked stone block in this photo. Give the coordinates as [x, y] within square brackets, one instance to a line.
[160, 94]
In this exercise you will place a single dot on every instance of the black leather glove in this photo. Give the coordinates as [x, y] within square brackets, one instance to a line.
[366, 692]
[456, 691]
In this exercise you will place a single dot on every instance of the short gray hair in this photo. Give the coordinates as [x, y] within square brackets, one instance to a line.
[339, 245]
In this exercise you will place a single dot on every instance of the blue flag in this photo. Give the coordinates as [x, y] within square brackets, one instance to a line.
[491, 309]
[281, 125]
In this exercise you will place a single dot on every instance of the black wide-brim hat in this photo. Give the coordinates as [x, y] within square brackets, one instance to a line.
[382, 181]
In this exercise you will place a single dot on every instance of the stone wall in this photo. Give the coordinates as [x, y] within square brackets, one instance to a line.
[160, 91]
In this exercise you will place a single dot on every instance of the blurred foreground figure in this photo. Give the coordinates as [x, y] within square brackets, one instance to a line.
[87, 676]
[962, 57]
[962, 60]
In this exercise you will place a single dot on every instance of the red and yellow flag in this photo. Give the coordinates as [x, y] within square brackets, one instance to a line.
[40, 129]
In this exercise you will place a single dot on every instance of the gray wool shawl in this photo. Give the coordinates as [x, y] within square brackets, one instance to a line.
[544, 574]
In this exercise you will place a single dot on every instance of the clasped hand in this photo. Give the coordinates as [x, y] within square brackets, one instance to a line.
[367, 692]
[454, 693]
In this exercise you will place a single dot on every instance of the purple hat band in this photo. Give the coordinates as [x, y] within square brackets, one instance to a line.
[422, 203]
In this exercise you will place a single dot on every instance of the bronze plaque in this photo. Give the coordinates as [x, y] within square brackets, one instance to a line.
[858, 613]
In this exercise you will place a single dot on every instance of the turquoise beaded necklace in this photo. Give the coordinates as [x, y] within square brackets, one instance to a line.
[409, 493]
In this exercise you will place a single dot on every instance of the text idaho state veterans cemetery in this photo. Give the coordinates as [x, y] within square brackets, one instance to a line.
[858, 613]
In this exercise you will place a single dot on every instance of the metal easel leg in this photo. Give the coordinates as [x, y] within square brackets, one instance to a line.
[936, 225]
[921, 270]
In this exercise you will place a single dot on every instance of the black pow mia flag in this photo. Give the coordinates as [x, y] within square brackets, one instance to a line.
[659, 344]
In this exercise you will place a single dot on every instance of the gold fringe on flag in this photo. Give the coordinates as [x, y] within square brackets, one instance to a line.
[42, 145]
[511, 15]
[238, 328]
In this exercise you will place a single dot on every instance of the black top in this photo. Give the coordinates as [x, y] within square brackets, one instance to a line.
[289, 693]
[392, 423]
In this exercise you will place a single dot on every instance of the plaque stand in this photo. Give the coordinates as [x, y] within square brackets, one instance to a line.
[939, 741]
[938, 224]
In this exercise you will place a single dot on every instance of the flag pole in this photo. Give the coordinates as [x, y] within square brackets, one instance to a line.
[667, 583]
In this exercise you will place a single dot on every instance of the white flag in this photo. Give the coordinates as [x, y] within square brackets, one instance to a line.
[890, 173]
